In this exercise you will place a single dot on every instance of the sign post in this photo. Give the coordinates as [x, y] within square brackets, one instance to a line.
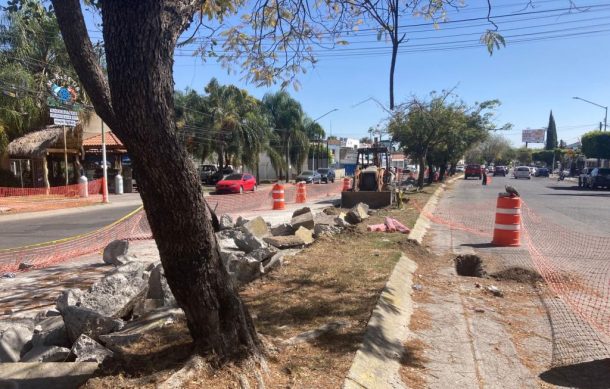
[104, 169]
[64, 117]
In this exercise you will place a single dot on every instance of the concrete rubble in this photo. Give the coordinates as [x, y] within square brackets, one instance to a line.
[134, 297]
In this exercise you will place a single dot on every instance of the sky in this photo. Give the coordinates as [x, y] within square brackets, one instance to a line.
[550, 57]
[529, 78]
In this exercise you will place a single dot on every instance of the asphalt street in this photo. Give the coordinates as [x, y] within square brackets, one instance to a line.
[57, 225]
[562, 202]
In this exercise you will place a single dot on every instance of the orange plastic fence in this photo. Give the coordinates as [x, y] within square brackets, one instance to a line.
[574, 265]
[15, 200]
[135, 227]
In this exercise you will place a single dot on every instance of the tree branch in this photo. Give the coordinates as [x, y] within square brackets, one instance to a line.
[82, 55]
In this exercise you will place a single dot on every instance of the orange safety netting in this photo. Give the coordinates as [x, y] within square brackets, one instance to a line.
[574, 265]
[15, 200]
[135, 227]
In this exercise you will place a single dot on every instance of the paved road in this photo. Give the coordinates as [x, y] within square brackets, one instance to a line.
[15, 232]
[562, 202]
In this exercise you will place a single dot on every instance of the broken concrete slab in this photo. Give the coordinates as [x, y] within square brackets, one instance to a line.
[115, 249]
[116, 294]
[273, 263]
[285, 242]
[12, 342]
[86, 349]
[248, 242]
[301, 211]
[116, 341]
[44, 353]
[283, 229]
[49, 375]
[240, 221]
[304, 219]
[322, 218]
[51, 332]
[325, 229]
[305, 234]
[257, 227]
[226, 222]
[68, 298]
[158, 288]
[357, 214]
[80, 320]
[245, 269]
[263, 254]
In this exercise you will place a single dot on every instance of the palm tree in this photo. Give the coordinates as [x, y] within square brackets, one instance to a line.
[32, 52]
[286, 116]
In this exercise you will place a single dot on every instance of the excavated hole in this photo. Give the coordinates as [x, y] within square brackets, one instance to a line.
[469, 266]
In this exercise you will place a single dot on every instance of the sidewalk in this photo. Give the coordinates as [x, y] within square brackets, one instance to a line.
[115, 201]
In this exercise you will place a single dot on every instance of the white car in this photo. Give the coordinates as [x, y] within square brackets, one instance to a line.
[522, 172]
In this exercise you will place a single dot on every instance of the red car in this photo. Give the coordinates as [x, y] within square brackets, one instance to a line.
[473, 171]
[236, 183]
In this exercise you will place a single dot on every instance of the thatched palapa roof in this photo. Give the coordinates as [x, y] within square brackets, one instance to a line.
[35, 144]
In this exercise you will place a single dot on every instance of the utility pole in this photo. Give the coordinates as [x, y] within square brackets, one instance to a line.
[105, 177]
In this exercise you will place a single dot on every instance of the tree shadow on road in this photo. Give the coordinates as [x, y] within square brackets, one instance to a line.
[590, 375]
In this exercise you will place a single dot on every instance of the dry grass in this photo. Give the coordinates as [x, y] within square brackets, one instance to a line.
[337, 278]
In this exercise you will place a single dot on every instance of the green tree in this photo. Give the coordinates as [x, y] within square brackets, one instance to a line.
[524, 156]
[596, 144]
[286, 117]
[551, 134]
[32, 52]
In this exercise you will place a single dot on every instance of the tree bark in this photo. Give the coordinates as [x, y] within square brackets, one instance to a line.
[422, 168]
[140, 38]
[395, 44]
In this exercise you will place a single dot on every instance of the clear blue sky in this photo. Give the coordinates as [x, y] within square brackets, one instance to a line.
[529, 78]
[549, 57]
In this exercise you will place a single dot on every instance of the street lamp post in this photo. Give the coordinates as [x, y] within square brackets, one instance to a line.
[317, 144]
[598, 105]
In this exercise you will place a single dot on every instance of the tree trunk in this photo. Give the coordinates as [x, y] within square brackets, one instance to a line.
[140, 38]
[395, 44]
[422, 167]
[430, 174]
[442, 172]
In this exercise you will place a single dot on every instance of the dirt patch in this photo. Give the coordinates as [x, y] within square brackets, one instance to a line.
[337, 279]
[518, 274]
[469, 266]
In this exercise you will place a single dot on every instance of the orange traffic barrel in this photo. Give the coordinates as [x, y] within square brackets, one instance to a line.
[301, 192]
[507, 228]
[278, 197]
[346, 184]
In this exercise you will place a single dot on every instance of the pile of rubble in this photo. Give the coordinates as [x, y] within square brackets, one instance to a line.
[134, 297]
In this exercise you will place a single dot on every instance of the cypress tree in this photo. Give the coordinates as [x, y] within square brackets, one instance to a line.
[551, 134]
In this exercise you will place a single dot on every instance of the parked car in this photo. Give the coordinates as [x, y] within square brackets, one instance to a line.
[459, 168]
[236, 183]
[220, 174]
[500, 171]
[599, 177]
[473, 171]
[522, 172]
[328, 175]
[310, 177]
[206, 171]
[542, 172]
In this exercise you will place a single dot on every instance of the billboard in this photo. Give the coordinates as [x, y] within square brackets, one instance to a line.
[533, 136]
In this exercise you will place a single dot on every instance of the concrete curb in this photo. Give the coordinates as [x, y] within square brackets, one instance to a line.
[423, 222]
[376, 363]
[45, 375]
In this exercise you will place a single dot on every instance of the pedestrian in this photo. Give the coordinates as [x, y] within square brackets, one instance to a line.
[484, 177]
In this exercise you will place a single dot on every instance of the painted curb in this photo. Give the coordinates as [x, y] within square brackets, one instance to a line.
[377, 361]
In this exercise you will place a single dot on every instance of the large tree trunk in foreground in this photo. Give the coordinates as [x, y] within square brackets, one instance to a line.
[140, 37]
